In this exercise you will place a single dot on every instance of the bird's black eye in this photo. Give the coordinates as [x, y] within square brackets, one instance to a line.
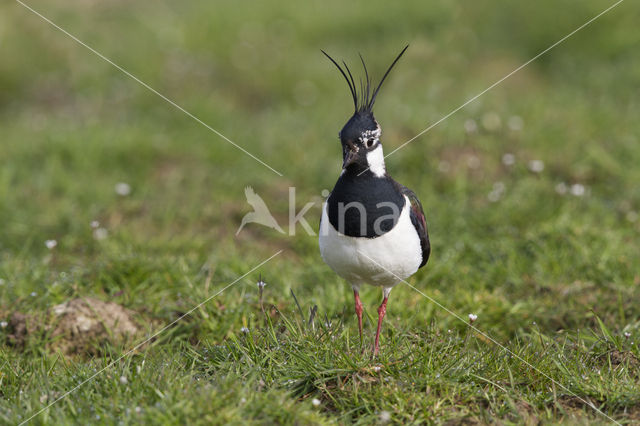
[369, 143]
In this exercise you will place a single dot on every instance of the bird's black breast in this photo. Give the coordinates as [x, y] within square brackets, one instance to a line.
[365, 205]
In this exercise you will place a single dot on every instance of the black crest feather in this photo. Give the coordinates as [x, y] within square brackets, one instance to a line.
[363, 99]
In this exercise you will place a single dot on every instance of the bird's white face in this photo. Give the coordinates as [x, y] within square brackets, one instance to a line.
[375, 161]
[370, 141]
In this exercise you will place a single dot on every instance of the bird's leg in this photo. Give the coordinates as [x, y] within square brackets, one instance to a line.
[356, 296]
[382, 310]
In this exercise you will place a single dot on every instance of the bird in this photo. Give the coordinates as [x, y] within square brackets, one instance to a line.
[373, 229]
[260, 213]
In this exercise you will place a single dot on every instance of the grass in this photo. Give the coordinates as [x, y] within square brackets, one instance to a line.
[551, 275]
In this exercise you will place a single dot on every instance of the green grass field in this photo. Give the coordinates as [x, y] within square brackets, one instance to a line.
[531, 193]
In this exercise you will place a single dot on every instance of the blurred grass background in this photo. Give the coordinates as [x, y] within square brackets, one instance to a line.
[556, 246]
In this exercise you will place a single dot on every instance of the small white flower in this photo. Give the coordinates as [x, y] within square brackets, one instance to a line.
[315, 402]
[123, 380]
[43, 398]
[496, 192]
[243, 400]
[261, 284]
[627, 334]
[95, 224]
[50, 244]
[123, 189]
[578, 190]
[138, 410]
[508, 159]
[472, 317]
[244, 330]
[470, 126]
[34, 294]
[3, 324]
[100, 234]
[385, 416]
[561, 188]
[376, 368]
[536, 166]
[515, 123]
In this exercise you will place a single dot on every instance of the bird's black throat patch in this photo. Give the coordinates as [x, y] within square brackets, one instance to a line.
[364, 205]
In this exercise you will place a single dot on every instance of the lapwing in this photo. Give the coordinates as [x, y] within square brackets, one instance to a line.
[373, 229]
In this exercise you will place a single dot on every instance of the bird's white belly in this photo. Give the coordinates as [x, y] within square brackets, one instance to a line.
[382, 261]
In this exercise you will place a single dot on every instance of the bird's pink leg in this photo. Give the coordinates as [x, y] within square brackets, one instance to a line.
[356, 296]
[382, 310]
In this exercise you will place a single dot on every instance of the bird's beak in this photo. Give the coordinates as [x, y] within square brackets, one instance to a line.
[352, 155]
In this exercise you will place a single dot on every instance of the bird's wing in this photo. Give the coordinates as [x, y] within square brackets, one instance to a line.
[249, 192]
[254, 199]
[419, 222]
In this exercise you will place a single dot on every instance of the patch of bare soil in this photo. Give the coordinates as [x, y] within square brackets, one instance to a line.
[20, 326]
[467, 420]
[618, 357]
[575, 405]
[527, 414]
[633, 413]
[80, 326]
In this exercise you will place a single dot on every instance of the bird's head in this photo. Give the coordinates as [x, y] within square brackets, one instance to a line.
[360, 136]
